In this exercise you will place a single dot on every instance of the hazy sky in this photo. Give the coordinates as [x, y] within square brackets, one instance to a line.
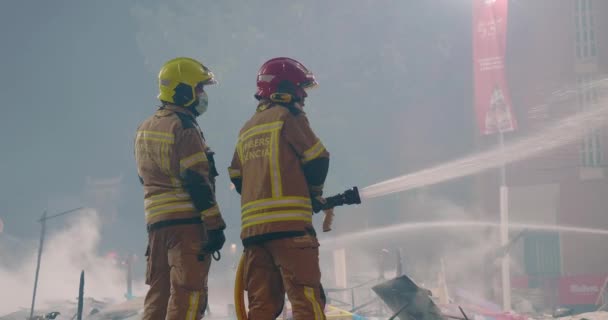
[395, 96]
[77, 77]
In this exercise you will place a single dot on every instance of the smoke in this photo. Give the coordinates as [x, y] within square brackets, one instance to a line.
[427, 247]
[66, 252]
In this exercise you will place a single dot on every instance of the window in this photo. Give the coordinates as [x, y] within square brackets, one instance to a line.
[586, 44]
[542, 255]
[591, 146]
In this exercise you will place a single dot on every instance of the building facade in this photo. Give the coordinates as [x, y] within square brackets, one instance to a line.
[556, 56]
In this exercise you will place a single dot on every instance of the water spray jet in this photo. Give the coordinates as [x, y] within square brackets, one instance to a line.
[419, 226]
[567, 130]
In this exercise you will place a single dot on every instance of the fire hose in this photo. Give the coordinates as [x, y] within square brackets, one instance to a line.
[350, 196]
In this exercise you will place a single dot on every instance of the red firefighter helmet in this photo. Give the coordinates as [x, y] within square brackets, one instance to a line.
[284, 80]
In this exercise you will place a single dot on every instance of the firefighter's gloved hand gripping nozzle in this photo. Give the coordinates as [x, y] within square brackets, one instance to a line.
[350, 196]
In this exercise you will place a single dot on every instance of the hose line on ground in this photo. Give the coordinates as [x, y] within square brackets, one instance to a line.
[239, 296]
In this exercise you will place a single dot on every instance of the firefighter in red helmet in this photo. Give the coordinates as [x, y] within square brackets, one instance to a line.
[279, 168]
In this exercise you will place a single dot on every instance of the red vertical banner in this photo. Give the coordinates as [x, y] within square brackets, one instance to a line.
[492, 100]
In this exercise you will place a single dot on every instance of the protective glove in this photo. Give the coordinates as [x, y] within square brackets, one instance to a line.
[317, 204]
[328, 219]
[215, 241]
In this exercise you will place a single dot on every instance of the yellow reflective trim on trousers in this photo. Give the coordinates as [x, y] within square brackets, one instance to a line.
[189, 161]
[292, 215]
[313, 152]
[316, 307]
[260, 128]
[266, 201]
[193, 302]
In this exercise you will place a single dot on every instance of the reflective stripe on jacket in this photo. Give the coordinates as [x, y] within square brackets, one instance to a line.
[174, 168]
[272, 149]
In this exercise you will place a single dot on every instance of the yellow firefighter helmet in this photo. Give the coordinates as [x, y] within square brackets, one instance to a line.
[179, 78]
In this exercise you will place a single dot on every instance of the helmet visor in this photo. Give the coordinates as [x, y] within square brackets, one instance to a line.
[309, 83]
[200, 87]
[211, 79]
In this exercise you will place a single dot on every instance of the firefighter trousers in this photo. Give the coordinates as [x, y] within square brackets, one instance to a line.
[177, 279]
[276, 267]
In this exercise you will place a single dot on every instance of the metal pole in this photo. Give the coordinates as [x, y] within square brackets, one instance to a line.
[42, 232]
[503, 168]
[80, 296]
[504, 230]
[399, 270]
[130, 277]
[63, 213]
[42, 221]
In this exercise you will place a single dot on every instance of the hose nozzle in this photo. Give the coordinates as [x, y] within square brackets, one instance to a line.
[350, 196]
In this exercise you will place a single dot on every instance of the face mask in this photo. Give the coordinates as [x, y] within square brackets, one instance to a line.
[300, 104]
[203, 103]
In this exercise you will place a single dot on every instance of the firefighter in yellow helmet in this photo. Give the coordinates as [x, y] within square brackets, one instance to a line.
[279, 168]
[177, 171]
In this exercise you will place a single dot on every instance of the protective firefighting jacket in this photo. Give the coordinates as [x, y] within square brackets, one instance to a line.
[177, 170]
[278, 164]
